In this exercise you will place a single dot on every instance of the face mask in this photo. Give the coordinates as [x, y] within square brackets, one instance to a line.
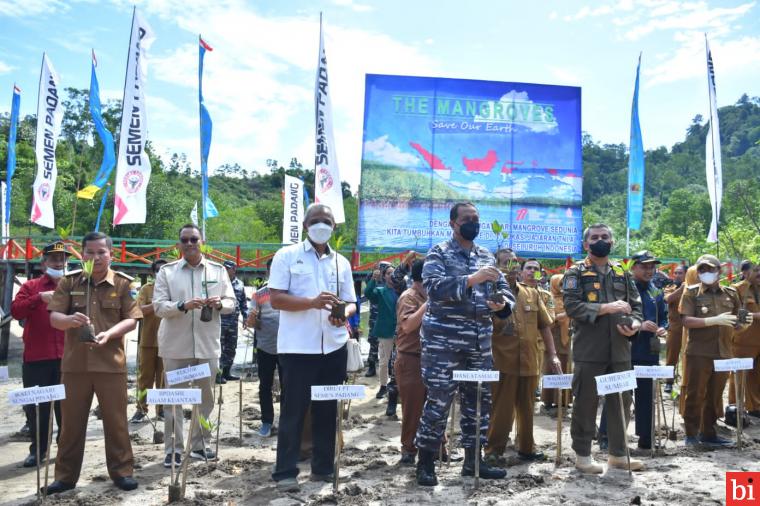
[54, 273]
[708, 278]
[320, 233]
[469, 230]
[600, 248]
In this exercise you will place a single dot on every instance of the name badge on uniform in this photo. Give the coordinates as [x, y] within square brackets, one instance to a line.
[527, 308]
[592, 296]
[77, 293]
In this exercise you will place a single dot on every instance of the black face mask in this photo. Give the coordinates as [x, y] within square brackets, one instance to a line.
[600, 248]
[469, 230]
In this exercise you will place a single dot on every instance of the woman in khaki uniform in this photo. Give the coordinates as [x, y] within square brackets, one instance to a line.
[746, 342]
[709, 312]
[561, 335]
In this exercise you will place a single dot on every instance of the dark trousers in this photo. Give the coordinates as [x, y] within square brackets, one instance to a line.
[267, 364]
[42, 373]
[392, 385]
[229, 339]
[299, 373]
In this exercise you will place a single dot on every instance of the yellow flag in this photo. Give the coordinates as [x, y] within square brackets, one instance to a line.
[88, 192]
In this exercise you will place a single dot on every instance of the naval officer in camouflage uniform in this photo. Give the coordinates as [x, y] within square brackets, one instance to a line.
[459, 276]
[598, 296]
[230, 325]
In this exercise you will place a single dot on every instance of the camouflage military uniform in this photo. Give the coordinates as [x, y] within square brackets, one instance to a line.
[230, 325]
[456, 335]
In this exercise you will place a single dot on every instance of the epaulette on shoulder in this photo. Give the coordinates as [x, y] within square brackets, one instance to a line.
[693, 287]
[73, 273]
[731, 289]
[123, 275]
[212, 262]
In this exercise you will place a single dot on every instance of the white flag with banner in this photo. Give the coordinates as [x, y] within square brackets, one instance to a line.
[292, 216]
[194, 214]
[133, 165]
[714, 170]
[50, 116]
[327, 187]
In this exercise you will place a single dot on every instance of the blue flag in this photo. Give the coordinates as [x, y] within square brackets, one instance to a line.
[209, 209]
[11, 166]
[102, 206]
[109, 156]
[635, 163]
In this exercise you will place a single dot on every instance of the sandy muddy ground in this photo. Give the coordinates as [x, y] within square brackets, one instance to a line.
[370, 463]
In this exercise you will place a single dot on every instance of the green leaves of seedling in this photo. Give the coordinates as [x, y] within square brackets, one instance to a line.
[537, 275]
[172, 254]
[206, 249]
[205, 423]
[63, 232]
[87, 266]
[625, 266]
[142, 394]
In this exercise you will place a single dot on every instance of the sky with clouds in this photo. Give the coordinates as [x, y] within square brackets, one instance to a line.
[259, 80]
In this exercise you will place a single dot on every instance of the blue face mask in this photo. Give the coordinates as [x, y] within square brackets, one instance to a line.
[54, 273]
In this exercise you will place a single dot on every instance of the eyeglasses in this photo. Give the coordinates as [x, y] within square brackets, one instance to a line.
[186, 240]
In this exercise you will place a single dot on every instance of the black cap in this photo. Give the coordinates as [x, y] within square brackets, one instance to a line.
[644, 257]
[746, 265]
[55, 247]
[157, 263]
[230, 264]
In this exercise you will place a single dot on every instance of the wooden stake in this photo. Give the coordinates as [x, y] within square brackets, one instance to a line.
[477, 436]
[37, 441]
[338, 423]
[451, 427]
[219, 421]
[558, 458]
[49, 444]
[654, 412]
[625, 433]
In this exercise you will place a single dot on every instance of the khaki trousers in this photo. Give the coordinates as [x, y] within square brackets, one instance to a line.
[703, 388]
[512, 397]
[412, 392]
[752, 382]
[151, 373]
[206, 386]
[111, 391]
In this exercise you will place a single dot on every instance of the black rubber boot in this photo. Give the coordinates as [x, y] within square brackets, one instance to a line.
[392, 402]
[370, 370]
[226, 374]
[485, 471]
[426, 469]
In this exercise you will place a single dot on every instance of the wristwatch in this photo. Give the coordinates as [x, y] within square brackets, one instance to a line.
[181, 306]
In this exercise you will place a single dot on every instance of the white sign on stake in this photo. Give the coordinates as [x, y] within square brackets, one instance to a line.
[187, 374]
[561, 381]
[616, 382]
[476, 375]
[653, 371]
[3, 372]
[336, 392]
[174, 396]
[733, 364]
[36, 395]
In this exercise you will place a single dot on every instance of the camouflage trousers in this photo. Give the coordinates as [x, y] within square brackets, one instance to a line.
[229, 340]
[440, 357]
[374, 344]
[392, 385]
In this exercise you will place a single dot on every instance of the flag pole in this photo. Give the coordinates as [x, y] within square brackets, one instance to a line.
[200, 119]
[714, 203]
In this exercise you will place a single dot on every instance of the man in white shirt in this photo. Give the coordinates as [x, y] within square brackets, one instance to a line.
[187, 292]
[307, 279]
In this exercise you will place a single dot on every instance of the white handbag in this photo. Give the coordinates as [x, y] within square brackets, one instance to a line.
[354, 362]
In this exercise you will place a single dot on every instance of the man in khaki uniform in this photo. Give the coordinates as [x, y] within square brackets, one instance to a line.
[709, 312]
[97, 366]
[747, 342]
[517, 356]
[673, 293]
[606, 308]
[561, 337]
[151, 367]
